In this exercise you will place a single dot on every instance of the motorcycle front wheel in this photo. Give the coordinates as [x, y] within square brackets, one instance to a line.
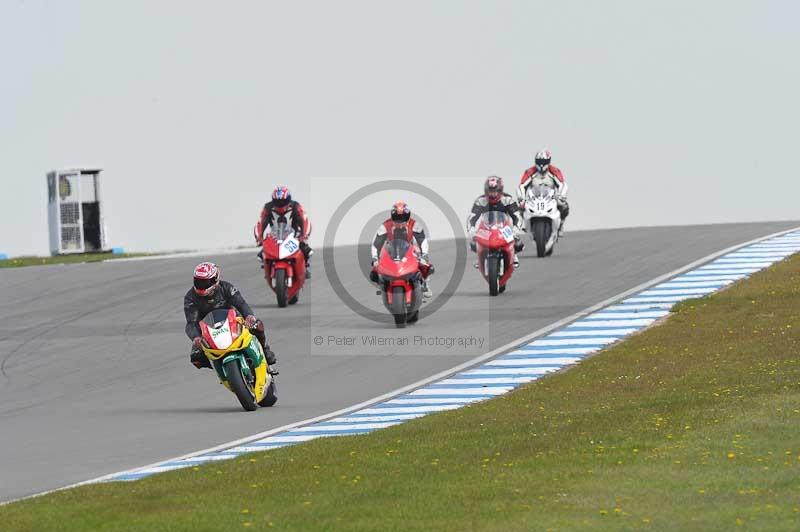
[280, 287]
[493, 275]
[541, 233]
[239, 387]
[399, 307]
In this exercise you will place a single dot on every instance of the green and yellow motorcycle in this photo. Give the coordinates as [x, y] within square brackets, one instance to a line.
[238, 359]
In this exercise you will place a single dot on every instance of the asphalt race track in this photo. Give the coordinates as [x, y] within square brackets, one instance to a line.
[95, 376]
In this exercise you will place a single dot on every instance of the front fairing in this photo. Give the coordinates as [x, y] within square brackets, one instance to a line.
[398, 260]
[222, 332]
[494, 230]
[540, 202]
[281, 243]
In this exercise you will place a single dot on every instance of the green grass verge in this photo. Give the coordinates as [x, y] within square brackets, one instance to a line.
[691, 425]
[19, 262]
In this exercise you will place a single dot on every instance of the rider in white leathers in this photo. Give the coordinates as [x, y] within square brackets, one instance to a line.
[544, 173]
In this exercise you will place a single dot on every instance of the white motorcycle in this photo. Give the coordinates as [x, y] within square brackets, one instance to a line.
[542, 218]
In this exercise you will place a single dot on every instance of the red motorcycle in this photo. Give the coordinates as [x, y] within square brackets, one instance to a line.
[284, 264]
[400, 274]
[494, 241]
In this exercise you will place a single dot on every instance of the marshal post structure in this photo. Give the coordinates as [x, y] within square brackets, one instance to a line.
[75, 212]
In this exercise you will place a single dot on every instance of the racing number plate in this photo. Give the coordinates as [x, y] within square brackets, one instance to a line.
[289, 247]
[508, 233]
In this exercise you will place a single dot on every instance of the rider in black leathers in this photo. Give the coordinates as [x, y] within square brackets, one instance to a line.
[211, 293]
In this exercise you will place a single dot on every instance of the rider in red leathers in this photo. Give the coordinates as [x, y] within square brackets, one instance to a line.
[401, 225]
[545, 173]
[283, 207]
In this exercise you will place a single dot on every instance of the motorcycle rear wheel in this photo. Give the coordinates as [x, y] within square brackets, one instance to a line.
[271, 397]
[238, 386]
[280, 287]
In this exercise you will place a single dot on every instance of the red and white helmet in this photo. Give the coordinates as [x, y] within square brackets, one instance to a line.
[493, 189]
[543, 161]
[206, 279]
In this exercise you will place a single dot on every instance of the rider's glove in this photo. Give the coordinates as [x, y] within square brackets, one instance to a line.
[197, 343]
[425, 259]
[374, 263]
[199, 360]
[250, 321]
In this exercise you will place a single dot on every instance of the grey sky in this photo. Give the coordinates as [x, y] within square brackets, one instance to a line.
[659, 112]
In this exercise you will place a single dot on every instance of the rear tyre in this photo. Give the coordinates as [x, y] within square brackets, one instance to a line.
[502, 289]
[399, 306]
[413, 318]
[492, 269]
[294, 300]
[238, 386]
[541, 233]
[280, 287]
[271, 397]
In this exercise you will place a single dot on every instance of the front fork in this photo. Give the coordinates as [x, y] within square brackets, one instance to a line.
[408, 290]
[501, 270]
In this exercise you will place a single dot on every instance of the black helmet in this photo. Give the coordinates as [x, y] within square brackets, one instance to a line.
[400, 212]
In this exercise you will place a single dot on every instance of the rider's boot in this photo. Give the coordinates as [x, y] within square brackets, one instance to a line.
[426, 289]
[307, 253]
[261, 336]
[564, 211]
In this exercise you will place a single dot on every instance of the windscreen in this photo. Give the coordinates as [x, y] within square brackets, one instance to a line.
[492, 218]
[281, 231]
[215, 318]
[541, 190]
[397, 249]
